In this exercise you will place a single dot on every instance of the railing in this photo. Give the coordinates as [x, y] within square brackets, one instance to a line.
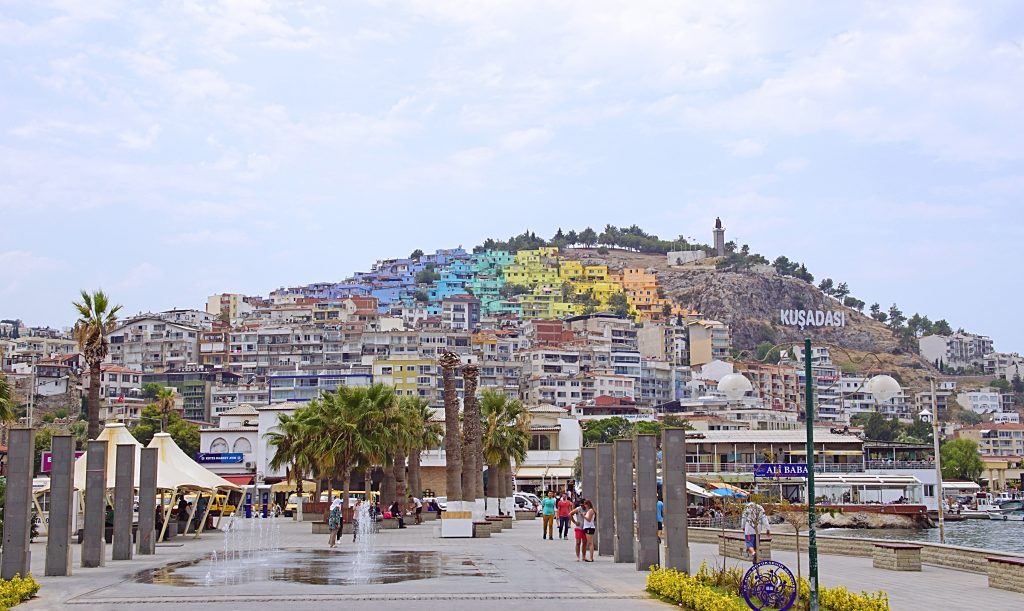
[751, 467]
[900, 464]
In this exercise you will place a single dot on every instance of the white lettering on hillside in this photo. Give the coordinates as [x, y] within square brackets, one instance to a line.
[812, 318]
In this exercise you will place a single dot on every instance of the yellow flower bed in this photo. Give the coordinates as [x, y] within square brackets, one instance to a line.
[17, 591]
[690, 593]
[697, 593]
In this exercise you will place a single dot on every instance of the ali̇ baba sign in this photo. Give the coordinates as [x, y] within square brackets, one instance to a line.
[812, 318]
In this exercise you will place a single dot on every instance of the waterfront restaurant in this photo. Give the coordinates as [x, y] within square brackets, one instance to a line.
[733, 455]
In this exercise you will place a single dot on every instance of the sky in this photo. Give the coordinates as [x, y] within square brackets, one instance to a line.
[166, 151]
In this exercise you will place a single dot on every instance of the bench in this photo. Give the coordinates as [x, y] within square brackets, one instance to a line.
[429, 516]
[389, 523]
[896, 556]
[734, 545]
[1006, 573]
[526, 515]
[482, 530]
[497, 523]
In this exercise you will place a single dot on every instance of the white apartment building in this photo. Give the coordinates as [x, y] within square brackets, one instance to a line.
[664, 342]
[956, 351]
[1005, 365]
[982, 401]
[152, 344]
[232, 447]
[555, 441]
[226, 397]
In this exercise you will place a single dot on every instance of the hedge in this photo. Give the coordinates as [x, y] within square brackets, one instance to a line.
[16, 591]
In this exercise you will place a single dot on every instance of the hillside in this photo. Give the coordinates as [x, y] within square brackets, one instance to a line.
[750, 303]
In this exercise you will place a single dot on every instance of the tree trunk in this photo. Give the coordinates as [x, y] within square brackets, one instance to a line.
[471, 462]
[346, 480]
[415, 477]
[387, 486]
[93, 406]
[401, 491]
[452, 436]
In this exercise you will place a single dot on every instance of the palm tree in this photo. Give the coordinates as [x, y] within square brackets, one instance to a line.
[472, 461]
[96, 318]
[449, 362]
[427, 434]
[290, 447]
[7, 400]
[506, 438]
[343, 430]
[165, 403]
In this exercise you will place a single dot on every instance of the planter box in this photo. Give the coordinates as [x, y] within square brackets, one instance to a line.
[389, 524]
[429, 516]
[526, 515]
[507, 521]
[481, 530]
[1006, 573]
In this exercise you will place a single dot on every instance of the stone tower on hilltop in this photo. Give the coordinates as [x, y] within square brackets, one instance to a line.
[719, 238]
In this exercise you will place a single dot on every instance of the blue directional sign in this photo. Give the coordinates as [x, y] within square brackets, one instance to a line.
[219, 457]
[781, 470]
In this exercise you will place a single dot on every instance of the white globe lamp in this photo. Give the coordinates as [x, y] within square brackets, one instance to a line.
[734, 386]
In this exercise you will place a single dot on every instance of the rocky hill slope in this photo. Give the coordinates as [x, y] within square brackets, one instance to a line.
[750, 302]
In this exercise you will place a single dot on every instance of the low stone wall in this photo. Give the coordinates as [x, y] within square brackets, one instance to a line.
[734, 545]
[897, 557]
[1006, 573]
[949, 556]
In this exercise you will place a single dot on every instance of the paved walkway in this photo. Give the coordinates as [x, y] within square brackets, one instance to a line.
[510, 570]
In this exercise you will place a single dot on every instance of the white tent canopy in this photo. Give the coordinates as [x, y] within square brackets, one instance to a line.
[176, 470]
[696, 490]
[114, 434]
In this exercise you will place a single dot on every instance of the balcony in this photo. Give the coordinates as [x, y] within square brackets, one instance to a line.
[750, 468]
[900, 464]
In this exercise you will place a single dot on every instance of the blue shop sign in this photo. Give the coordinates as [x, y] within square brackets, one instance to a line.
[219, 457]
[781, 470]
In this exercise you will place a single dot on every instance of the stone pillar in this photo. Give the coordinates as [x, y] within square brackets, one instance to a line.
[647, 553]
[62, 490]
[677, 548]
[603, 500]
[147, 501]
[17, 558]
[622, 487]
[93, 544]
[124, 499]
[588, 469]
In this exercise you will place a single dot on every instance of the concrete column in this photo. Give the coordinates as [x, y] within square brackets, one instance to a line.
[124, 499]
[58, 531]
[622, 487]
[147, 501]
[673, 450]
[17, 558]
[93, 544]
[647, 553]
[588, 468]
[603, 500]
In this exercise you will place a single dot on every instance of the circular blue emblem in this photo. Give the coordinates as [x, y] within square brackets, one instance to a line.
[769, 585]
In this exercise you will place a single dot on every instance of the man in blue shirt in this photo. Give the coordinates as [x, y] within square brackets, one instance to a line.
[661, 521]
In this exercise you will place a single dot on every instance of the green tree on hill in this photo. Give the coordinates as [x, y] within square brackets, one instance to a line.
[588, 237]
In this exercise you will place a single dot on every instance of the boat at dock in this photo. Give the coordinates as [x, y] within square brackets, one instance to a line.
[1009, 511]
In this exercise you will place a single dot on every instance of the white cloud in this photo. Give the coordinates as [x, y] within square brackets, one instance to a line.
[137, 141]
[23, 268]
[745, 148]
[210, 238]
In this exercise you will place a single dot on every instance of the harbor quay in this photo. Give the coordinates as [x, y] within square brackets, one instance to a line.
[415, 568]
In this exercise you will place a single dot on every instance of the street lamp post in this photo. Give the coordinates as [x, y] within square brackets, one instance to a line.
[812, 538]
[938, 463]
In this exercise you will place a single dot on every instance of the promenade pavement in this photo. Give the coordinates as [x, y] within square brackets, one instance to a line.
[510, 570]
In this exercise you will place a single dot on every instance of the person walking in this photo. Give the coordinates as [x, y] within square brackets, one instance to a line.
[754, 519]
[564, 507]
[548, 512]
[576, 515]
[334, 522]
[589, 529]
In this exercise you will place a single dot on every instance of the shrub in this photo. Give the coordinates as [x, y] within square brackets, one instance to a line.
[689, 592]
[17, 591]
[717, 588]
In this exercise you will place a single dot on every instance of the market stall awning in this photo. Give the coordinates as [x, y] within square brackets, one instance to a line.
[290, 486]
[239, 480]
[695, 490]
